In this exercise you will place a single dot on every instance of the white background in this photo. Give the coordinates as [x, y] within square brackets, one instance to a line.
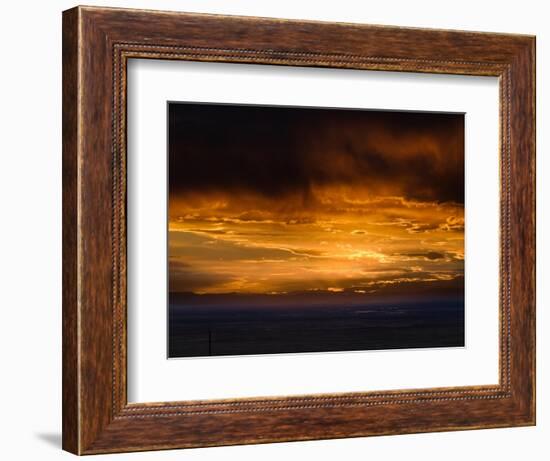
[152, 378]
[30, 244]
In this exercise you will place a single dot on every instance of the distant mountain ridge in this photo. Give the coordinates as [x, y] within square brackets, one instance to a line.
[404, 291]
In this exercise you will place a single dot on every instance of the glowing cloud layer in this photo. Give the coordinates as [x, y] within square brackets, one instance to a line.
[281, 200]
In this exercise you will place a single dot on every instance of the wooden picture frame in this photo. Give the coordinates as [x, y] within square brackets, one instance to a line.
[97, 43]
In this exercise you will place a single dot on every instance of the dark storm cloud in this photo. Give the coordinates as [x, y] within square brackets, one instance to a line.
[278, 152]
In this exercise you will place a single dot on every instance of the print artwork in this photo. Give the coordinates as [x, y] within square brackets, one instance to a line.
[311, 229]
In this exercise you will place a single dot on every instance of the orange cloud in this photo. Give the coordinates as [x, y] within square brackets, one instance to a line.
[300, 200]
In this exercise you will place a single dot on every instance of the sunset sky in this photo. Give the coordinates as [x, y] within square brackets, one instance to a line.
[277, 200]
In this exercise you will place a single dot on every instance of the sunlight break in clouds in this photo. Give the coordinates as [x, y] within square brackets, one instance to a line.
[313, 199]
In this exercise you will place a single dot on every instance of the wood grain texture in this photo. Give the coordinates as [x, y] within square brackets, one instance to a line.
[70, 383]
[97, 42]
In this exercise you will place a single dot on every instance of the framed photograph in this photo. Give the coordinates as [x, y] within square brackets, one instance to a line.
[281, 230]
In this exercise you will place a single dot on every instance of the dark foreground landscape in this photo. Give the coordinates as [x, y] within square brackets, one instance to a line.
[211, 325]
